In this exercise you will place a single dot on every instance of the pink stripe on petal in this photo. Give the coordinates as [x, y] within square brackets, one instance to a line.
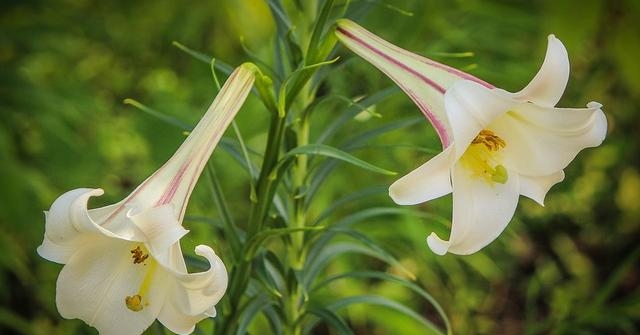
[392, 60]
[454, 71]
[172, 188]
[441, 129]
[427, 61]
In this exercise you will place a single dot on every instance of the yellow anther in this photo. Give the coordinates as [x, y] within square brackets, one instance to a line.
[490, 140]
[138, 255]
[134, 302]
[482, 157]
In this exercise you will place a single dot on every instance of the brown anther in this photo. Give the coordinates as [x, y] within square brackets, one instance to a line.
[138, 256]
[490, 140]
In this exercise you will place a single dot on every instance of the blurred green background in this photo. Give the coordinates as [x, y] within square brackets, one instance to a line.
[571, 267]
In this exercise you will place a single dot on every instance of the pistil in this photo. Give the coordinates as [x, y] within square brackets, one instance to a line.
[138, 301]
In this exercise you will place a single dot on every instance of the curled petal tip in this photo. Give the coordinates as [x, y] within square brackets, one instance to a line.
[437, 245]
[393, 194]
[594, 105]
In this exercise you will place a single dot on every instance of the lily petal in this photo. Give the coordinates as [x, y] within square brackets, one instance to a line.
[68, 225]
[472, 107]
[481, 211]
[546, 88]
[422, 79]
[93, 285]
[429, 181]
[193, 296]
[541, 141]
[536, 188]
[160, 227]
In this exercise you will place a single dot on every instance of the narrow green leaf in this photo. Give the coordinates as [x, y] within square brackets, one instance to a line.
[363, 139]
[250, 310]
[233, 234]
[335, 97]
[161, 116]
[222, 66]
[331, 318]
[380, 252]
[354, 109]
[391, 278]
[279, 14]
[276, 269]
[232, 147]
[385, 302]
[268, 282]
[313, 52]
[251, 247]
[245, 152]
[355, 142]
[274, 319]
[301, 76]
[195, 54]
[328, 151]
[366, 247]
[284, 46]
[255, 58]
[361, 194]
[318, 255]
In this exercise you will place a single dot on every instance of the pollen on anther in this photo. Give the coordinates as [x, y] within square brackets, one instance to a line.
[490, 140]
[138, 255]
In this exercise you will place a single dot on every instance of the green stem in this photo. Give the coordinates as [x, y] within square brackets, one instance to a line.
[299, 190]
[265, 191]
[294, 305]
[269, 175]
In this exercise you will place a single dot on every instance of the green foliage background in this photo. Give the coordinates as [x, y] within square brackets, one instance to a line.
[571, 267]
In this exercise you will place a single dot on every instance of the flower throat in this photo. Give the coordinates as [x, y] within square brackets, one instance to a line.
[481, 157]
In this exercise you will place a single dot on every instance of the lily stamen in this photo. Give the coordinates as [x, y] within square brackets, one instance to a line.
[135, 302]
[482, 158]
[138, 255]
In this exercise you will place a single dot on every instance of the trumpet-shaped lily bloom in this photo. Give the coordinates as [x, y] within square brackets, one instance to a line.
[123, 266]
[497, 145]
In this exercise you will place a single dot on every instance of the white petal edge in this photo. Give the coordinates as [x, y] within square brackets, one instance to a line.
[193, 297]
[548, 85]
[67, 223]
[542, 140]
[536, 188]
[481, 211]
[429, 181]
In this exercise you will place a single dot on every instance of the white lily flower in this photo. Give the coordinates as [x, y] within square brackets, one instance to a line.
[498, 145]
[123, 266]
